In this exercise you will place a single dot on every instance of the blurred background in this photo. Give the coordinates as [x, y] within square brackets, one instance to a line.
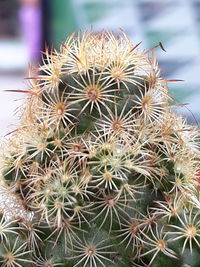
[27, 25]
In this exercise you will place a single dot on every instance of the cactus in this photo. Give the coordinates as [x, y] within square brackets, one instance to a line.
[100, 170]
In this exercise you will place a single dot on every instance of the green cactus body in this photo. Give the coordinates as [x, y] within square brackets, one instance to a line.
[100, 171]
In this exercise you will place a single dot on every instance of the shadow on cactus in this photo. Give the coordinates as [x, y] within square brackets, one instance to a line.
[100, 171]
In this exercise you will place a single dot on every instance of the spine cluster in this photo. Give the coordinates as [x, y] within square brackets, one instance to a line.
[100, 171]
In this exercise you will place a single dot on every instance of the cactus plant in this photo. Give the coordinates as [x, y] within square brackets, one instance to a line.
[100, 171]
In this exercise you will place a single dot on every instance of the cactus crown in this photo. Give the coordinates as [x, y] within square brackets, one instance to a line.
[100, 171]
